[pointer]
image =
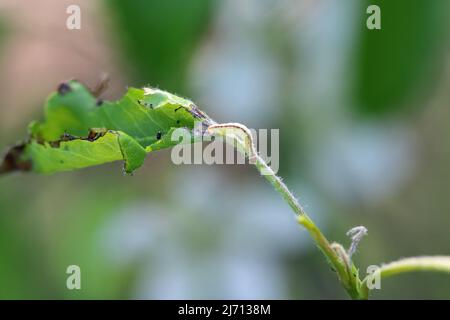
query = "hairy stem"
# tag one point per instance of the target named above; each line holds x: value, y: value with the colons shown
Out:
x: 337, y: 259
x: 336, y: 255
x: 279, y: 186
x: 425, y: 263
x: 413, y: 264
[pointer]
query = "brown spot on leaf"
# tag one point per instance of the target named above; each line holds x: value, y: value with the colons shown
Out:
x: 64, y: 88
x: 94, y: 135
x: 65, y: 137
x: 13, y: 162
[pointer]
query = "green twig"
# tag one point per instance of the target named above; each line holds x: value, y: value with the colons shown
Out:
x: 413, y: 264
x: 333, y: 252
x: 337, y: 257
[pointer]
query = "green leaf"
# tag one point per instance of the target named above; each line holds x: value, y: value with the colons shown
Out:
x: 159, y: 38
x: 397, y: 65
x: 81, y: 131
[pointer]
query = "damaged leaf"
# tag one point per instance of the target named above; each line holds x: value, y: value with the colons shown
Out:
x: 80, y: 132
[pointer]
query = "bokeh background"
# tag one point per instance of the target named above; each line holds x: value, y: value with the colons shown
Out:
x: 364, y: 119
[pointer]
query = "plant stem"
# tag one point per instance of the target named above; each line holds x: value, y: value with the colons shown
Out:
x: 424, y: 263
x: 278, y: 185
x: 338, y: 260
x: 337, y: 257
x: 334, y: 253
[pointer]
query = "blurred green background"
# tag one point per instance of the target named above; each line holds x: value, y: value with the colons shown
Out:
x: 364, y: 122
